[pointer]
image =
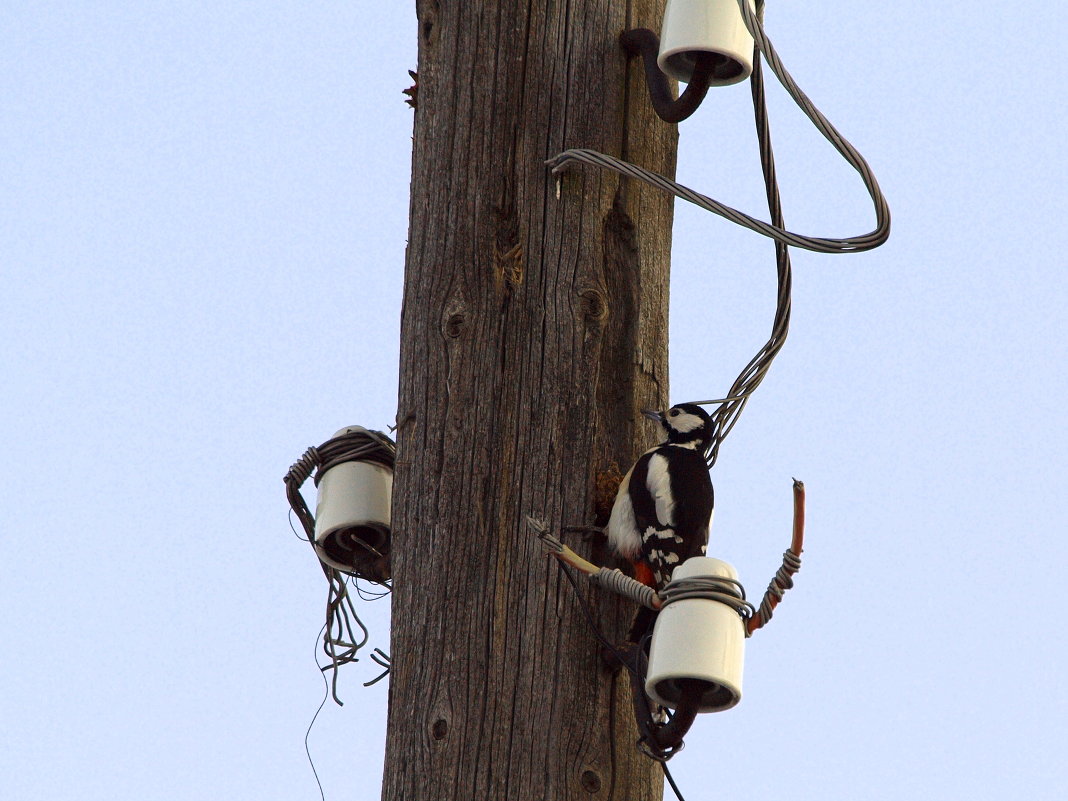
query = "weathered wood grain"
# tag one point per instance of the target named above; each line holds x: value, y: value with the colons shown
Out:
x: 533, y: 331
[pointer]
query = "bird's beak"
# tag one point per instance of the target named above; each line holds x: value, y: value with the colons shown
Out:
x: 653, y: 415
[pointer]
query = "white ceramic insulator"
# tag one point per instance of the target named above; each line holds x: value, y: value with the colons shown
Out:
x: 352, y: 495
x: 698, y: 638
x: 711, y: 26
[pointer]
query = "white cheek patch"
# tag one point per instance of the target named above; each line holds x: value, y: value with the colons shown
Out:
x: 659, y: 483
x: 685, y: 422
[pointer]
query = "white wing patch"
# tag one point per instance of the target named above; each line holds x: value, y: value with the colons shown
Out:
x: 662, y: 534
x: 623, y: 534
x: 662, y: 561
x: 659, y: 484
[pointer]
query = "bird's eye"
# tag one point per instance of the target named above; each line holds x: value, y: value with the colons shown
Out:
x: 674, y: 413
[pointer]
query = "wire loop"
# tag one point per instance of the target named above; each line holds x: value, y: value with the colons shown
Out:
x: 731, y: 407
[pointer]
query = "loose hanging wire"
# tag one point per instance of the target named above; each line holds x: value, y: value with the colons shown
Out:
x: 340, y: 641
x: 315, y: 717
x: 730, y: 408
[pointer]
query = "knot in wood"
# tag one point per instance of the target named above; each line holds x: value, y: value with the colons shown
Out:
x: 428, y: 23
x: 590, y: 781
x: 455, y: 324
x: 593, y: 304
x: 440, y: 729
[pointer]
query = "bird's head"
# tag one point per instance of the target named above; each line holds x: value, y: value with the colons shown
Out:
x: 685, y: 424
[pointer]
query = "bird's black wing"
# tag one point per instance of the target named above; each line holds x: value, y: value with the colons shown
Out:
x: 680, y: 493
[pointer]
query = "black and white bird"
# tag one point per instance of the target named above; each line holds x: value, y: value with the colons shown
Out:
x: 663, y: 508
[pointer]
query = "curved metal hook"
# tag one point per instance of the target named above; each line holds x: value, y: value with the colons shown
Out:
x: 643, y: 42
x: 659, y: 741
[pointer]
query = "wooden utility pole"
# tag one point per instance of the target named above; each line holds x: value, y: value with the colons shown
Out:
x: 534, y: 330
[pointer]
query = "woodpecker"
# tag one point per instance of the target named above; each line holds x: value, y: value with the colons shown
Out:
x: 663, y: 508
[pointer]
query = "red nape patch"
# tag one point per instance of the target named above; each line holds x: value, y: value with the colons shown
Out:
x: 644, y: 574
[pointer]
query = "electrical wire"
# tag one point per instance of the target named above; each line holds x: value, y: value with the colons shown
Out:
x: 762, y: 44
x: 380, y: 658
x: 593, y: 624
x: 315, y: 717
x: 626, y: 664
x: 791, y: 563
x: 726, y: 591
x: 294, y: 528
x: 340, y: 641
x: 671, y: 780
x: 752, y: 375
x: 723, y: 590
x: 369, y: 595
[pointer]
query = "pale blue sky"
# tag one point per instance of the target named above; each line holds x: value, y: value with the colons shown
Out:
x: 203, y: 211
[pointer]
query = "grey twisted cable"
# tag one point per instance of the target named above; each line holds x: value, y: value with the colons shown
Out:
x: 818, y: 244
x: 712, y: 588
x: 779, y: 584
x: 620, y: 583
x: 754, y: 372
x: 304, y: 466
x: 611, y: 579
x: 754, y: 22
x: 752, y: 375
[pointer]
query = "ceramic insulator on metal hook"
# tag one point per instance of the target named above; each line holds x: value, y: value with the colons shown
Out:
x: 698, y: 638
x: 706, y: 26
x: 352, y: 510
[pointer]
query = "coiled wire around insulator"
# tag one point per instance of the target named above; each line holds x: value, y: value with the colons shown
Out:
x: 729, y: 592
x: 344, y: 633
